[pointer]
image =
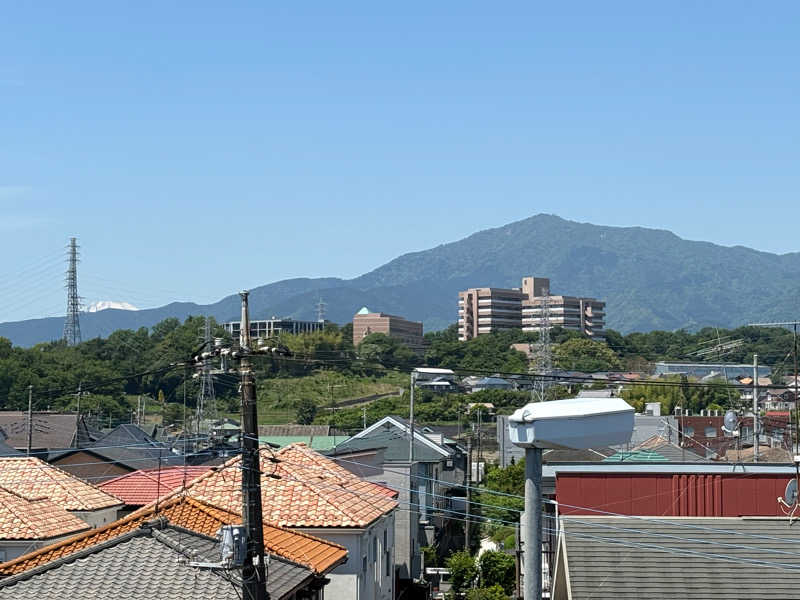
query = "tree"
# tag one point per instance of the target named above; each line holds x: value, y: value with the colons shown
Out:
x: 386, y: 350
x: 462, y: 570
x: 494, y: 592
x: 306, y: 411
x: 581, y: 354
x: 498, y: 568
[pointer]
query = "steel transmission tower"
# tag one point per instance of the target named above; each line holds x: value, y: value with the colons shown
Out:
x: 206, y: 397
x: 321, y: 310
x: 72, y: 325
x: 545, y: 350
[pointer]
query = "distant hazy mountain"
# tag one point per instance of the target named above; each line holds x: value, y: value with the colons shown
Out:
x: 650, y: 279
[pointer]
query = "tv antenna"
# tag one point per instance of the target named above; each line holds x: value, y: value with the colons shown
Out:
x: 789, y: 500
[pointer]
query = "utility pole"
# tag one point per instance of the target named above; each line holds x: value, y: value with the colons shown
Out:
x: 254, y: 582
x: 364, y: 416
x: 755, y: 408
x: 411, y: 466
x: 480, y: 441
x: 532, y: 578
x: 517, y: 555
x: 468, y: 476
x: 30, y: 419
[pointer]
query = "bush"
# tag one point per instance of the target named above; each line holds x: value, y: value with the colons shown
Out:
x: 494, y: 592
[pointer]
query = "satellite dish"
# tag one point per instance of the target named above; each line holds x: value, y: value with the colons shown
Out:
x: 790, y: 495
x: 731, y: 421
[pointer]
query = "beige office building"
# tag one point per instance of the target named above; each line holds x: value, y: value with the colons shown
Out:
x: 483, y: 310
x: 408, y: 332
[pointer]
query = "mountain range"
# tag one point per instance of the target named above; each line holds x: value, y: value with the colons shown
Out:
x: 649, y: 279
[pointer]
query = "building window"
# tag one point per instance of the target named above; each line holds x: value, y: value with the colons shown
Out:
x: 711, y: 432
x: 688, y: 431
x: 364, y: 563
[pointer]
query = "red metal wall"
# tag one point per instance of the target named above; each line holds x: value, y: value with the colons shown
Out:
x: 697, y: 495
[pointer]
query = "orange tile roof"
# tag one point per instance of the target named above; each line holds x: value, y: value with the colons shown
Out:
x: 312, y: 490
x: 319, y: 555
x: 145, y: 486
x: 32, y: 478
x: 38, y: 519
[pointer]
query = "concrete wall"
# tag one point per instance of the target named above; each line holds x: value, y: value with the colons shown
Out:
x: 368, y: 573
x: 98, y: 518
x: 11, y: 549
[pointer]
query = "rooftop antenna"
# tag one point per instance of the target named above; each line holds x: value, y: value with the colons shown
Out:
x: 72, y: 325
x: 730, y: 424
x: 789, y: 500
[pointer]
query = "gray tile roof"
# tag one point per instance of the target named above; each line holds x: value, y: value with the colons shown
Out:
x: 145, y: 564
x: 611, y: 558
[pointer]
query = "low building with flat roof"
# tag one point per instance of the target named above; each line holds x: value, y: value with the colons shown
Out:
x: 266, y: 328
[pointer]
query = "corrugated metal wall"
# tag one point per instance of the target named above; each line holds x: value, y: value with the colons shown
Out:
x: 725, y: 495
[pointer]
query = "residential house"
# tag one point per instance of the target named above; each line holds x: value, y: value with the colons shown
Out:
x: 49, y: 431
x: 321, y: 556
x: 26, y: 524
x: 429, y: 484
x: 142, y: 487
x: 612, y: 558
x: 123, y: 450
x: 155, y: 560
x: 305, y: 491
x: 490, y: 383
x: 32, y: 478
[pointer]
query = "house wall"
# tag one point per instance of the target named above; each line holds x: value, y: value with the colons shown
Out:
x: 665, y: 494
x: 89, y: 467
x: 97, y: 518
x: 11, y: 549
x: 368, y: 573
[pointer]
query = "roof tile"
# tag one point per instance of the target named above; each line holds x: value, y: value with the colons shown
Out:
x: 145, y: 486
x: 32, y: 478
x: 317, y: 554
x: 37, y: 519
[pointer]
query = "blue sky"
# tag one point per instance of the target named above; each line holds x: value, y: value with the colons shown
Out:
x: 198, y: 148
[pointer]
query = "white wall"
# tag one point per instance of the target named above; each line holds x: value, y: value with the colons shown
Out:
x: 98, y: 518
x: 351, y: 581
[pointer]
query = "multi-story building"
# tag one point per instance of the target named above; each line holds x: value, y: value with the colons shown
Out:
x: 530, y: 307
x: 408, y: 332
x: 272, y: 327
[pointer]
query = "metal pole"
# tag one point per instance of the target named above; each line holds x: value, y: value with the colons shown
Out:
x: 254, y: 584
x: 532, y: 576
x: 755, y: 408
x: 468, y: 476
x: 30, y: 418
x: 517, y: 554
x: 796, y: 403
x: 411, y: 419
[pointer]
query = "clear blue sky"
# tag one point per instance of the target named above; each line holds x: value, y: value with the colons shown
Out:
x: 196, y: 148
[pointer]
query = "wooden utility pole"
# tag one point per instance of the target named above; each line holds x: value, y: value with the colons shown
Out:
x: 254, y: 581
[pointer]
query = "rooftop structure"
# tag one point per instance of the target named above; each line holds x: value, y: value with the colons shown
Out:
x: 49, y: 431
x: 703, y: 369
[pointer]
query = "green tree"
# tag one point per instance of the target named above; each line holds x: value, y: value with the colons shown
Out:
x: 581, y: 354
x: 495, y: 592
x: 498, y: 568
x: 306, y: 411
x: 463, y: 570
